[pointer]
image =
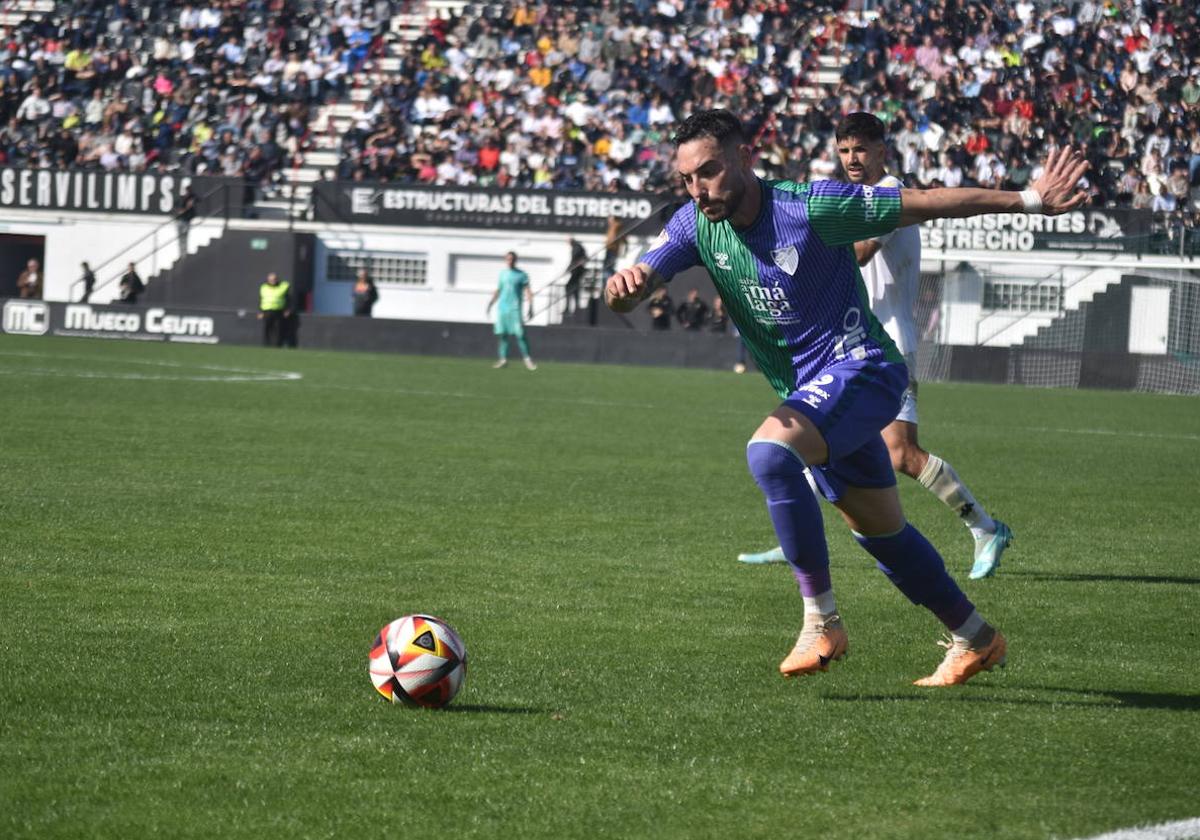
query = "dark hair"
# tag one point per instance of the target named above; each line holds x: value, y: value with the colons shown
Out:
x: 719, y: 124
x: 861, y: 125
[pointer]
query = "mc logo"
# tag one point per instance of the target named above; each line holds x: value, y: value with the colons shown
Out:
x: 26, y: 317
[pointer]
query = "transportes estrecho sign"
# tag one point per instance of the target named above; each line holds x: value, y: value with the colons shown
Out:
x: 1108, y: 229
x: 154, y: 323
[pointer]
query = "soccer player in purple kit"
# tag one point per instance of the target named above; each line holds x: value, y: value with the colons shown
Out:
x: 891, y: 266
x: 781, y: 255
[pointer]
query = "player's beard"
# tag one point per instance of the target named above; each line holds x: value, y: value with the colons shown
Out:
x: 723, y: 208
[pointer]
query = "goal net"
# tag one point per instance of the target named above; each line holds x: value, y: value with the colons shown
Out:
x: 1057, y: 326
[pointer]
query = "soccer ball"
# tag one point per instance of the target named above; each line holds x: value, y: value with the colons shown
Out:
x: 418, y: 660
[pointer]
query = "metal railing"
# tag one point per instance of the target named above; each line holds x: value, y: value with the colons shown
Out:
x: 553, y: 293
x: 156, y: 245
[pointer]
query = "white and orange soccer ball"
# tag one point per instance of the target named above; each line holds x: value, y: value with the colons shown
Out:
x: 418, y: 660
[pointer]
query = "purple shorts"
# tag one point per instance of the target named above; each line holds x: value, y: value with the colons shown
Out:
x: 850, y: 403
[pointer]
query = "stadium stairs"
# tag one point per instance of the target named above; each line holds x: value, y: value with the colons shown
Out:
x: 227, y: 270
x: 294, y: 196
x: 1007, y: 328
x: 335, y: 118
x: 1099, y: 324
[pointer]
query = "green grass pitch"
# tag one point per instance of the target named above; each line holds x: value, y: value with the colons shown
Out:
x: 194, y: 561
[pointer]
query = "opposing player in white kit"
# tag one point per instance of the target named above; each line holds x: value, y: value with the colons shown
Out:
x: 890, y: 267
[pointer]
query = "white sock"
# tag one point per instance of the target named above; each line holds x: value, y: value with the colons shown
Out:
x: 822, y: 604
x: 939, y: 478
x: 970, y: 628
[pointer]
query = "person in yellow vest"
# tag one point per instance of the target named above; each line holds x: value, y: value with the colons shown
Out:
x: 274, y: 309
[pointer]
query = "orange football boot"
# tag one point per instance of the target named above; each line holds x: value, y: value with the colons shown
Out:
x: 821, y: 641
x: 964, y: 661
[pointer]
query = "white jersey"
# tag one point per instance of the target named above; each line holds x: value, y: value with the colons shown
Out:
x: 892, y: 277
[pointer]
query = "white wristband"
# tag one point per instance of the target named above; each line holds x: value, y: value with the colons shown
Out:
x: 1032, y: 201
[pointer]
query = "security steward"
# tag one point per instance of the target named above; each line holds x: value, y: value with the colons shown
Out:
x: 274, y: 309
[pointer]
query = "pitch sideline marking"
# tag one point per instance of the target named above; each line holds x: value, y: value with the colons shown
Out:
x: 223, y: 374
x: 1179, y: 830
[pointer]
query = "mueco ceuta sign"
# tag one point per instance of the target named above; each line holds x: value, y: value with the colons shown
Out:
x: 35, y: 317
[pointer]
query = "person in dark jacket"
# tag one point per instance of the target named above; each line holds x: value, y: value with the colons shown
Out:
x: 364, y: 294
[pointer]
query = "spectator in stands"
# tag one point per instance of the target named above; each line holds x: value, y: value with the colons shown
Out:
x: 718, y: 318
x: 692, y: 313
x: 183, y: 221
x: 30, y: 281
x: 149, y: 90
x: 661, y: 309
x: 364, y: 294
x: 130, y: 286
x: 88, y: 277
x: 576, y: 267
x: 614, y: 245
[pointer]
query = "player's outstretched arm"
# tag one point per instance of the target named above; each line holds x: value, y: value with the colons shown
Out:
x: 1052, y: 194
x: 626, y: 288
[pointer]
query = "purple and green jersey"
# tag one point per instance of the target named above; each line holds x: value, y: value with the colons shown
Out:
x: 790, y: 281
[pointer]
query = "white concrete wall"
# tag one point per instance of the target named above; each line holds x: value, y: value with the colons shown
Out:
x: 69, y: 240
x: 462, y: 268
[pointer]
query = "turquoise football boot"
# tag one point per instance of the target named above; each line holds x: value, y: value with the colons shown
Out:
x: 988, y: 551
x: 775, y: 555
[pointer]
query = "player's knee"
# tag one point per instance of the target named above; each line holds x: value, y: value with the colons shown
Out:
x: 775, y: 466
x: 907, y: 458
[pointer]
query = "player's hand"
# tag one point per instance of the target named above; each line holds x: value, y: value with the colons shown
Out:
x: 625, y: 289
x: 1058, y: 185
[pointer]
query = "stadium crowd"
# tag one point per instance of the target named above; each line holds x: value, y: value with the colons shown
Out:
x: 583, y: 95
x: 219, y: 88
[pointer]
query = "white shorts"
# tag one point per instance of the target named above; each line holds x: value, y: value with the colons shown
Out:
x: 908, y: 402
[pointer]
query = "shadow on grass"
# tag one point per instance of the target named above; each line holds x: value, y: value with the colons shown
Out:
x: 1105, y: 699
x: 485, y: 709
x: 1136, y: 699
x: 1083, y: 577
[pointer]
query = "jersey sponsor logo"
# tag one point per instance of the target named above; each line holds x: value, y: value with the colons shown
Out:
x: 786, y: 258
x: 769, y: 305
x: 662, y: 239
x: 26, y: 317
x: 814, y: 393
x: 853, y: 336
x: 722, y: 260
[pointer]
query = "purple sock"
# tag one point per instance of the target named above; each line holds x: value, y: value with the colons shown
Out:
x: 917, y: 570
x: 794, y: 512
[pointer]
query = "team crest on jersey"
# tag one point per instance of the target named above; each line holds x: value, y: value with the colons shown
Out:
x: 786, y: 258
x: 722, y: 260
x: 663, y: 239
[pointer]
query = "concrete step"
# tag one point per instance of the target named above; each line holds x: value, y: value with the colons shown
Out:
x: 321, y: 160
x: 827, y: 60
x: 342, y: 109
x: 302, y: 175
x: 326, y: 142
x: 320, y: 126
x: 828, y: 77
